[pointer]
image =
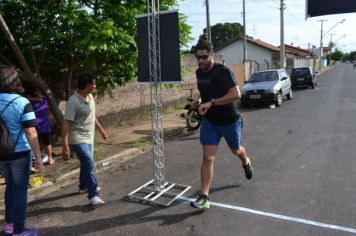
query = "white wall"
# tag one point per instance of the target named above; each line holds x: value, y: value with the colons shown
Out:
x: 233, y: 53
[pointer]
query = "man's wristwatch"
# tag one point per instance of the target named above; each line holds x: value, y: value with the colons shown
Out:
x: 213, y: 101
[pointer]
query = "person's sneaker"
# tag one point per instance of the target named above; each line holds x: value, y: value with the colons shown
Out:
x: 28, y: 232
x: 96, y: 201
x: 248, y: 170
x: 44, y: 158
x: 81, y: 191
x: 9, y: 228
x: 202, y: 202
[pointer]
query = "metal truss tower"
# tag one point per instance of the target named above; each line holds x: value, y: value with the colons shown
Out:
x: 158, y: 190
x: 156, y: 95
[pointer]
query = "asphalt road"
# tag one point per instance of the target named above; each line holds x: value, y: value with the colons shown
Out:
x: 304, y: 182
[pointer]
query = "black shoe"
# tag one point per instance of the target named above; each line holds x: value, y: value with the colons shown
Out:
x: 248, y: 170
x: 202, y: 202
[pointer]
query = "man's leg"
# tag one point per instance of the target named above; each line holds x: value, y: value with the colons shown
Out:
x: 82, y: 184
x: 206, y: 175
x: 84, y: 152
x: 207, y: 167
x: 232, y: 135
x: 209, y: 138
x: 241, y: 153
x: 246, y: 163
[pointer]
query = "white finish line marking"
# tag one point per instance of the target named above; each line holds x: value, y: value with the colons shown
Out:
x: 277, y: 216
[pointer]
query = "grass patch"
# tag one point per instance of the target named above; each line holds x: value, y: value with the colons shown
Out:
x: 169, y: 110
x: 98, y: 153
x: 140, y: 143
x: 180, y: 105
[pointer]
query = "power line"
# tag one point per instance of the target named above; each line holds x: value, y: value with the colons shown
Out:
x: 264, y: 3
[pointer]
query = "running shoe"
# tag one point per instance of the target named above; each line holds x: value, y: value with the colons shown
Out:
x: 202, y: 202
x: 248, y: 170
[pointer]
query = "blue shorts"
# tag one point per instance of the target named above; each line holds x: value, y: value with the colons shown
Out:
x: 211, y: 134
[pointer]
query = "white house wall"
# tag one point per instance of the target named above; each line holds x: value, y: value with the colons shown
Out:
x: 233, y: 53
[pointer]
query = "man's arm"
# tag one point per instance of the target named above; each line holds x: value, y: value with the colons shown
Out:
x: 232, y: 95
x: 65, y: 138
x: 101, y: 129
x: 32, y: 137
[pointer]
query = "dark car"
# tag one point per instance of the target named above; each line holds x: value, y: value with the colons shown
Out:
x: 303, y: 76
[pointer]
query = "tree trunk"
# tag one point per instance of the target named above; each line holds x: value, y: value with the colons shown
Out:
x: 35, y: 81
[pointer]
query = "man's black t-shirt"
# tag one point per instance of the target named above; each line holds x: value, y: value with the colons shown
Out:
x: 216, y: 83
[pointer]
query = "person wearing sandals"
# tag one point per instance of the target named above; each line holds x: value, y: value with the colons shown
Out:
x: 20, y: 120
x: 220, y: 116
x: 78, y: 130
x: 40, y: 106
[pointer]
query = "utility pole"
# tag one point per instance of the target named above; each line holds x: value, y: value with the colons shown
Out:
x: 282, y: 48
x: 330, y: 47
x: 208, y: 32
x: 321, y: 44
x: 244, y: 22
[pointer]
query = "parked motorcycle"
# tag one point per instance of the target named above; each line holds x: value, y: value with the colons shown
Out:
x: 193, y: 118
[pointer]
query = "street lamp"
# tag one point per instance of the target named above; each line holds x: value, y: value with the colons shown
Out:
x: 322, y: 35
x: 330, y: 47
x: 338, y: 39
x: 333, y: 44
x: 340, y: 22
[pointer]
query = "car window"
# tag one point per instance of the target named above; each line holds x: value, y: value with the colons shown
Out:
x: 264, y: 76
x: 300, y: 71
x: 284, y: 74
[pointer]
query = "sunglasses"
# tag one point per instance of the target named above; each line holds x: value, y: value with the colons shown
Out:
x: 203, y: 57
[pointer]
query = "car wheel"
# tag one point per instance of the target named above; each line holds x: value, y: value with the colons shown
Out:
x: 290, y: 94
x: 279, y: 100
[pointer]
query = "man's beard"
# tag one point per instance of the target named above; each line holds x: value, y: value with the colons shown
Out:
x: 205, y: 66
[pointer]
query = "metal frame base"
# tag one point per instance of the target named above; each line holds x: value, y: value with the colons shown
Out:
x: 165, y: 197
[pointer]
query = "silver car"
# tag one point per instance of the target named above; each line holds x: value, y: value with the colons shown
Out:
x: 267, y: 87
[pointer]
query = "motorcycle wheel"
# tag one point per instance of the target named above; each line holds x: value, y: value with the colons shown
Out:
x: 193, y: 122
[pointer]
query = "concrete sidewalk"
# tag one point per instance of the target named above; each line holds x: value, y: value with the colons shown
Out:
x: 125, y: 142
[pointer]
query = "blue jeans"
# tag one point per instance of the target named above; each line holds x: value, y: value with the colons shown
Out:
x: 17, y: 176
x: 87, y: 178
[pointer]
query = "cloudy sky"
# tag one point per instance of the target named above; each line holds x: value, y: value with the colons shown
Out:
x: 263, y: 22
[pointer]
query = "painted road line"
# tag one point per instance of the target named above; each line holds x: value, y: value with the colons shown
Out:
x: 278, y: 216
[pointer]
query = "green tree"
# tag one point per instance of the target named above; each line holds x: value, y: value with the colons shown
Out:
x: 222, y: 33
x: 353, y: 56
x: 60, y: 39
x: 337, y: 55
